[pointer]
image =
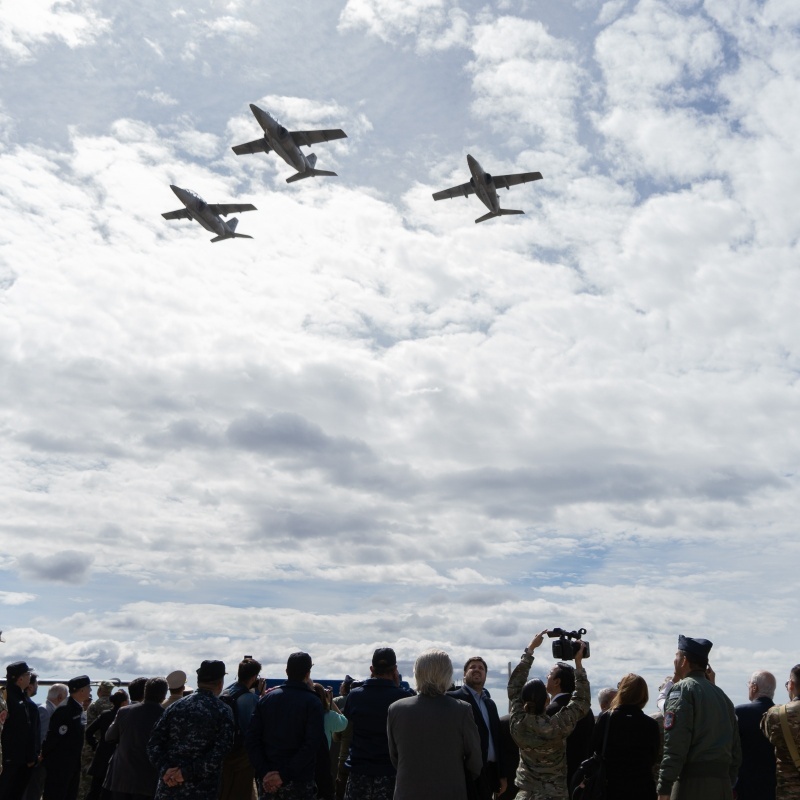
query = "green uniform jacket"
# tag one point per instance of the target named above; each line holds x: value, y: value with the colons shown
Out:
x: 787, y: 773
x: 541, y: 739
x: 701, y: 736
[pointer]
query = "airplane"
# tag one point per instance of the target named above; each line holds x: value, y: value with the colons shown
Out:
x: 208, y: 214
x: 485, y: 186
x: 287, y: 145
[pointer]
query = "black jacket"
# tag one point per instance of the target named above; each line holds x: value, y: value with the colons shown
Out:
x: 19, y: 737
x: 757, y: 773
x: 463, y: 693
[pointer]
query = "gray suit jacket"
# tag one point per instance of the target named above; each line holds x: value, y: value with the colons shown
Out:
x: 433, y: 741
x: 130, y: 769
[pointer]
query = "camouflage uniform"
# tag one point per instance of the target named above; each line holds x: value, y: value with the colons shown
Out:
x: 542, y: 771
x: 369, y: 787
x: 194, y: 735
x: 702, y: 748
x: 3, y: 709
x: 294, y: 790
x: 87, y: 754
x: 787, y: 773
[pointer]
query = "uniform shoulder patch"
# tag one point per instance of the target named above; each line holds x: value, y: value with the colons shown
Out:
x: 669, y: 720
x: 63, y: 729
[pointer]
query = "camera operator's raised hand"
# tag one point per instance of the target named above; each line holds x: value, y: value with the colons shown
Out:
x: 579, y: 653
x: 536, y: 641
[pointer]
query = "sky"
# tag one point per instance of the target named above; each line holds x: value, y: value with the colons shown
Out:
x: 378, y: 423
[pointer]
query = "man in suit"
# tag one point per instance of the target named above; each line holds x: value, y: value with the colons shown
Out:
x: 20, y: 744
x: 560, y: 686
x: 757, y: 773
x: 484, y: 711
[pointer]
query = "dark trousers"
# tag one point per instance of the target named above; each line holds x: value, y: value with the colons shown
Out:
x: 13, y: 780
x: 486, y: 784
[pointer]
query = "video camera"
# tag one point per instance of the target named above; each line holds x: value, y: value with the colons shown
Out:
x: 566, y: 646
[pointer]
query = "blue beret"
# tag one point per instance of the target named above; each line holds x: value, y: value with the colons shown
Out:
x: 699, y: 648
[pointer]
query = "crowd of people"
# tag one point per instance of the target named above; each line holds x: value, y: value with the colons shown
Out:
x: 382, y: 740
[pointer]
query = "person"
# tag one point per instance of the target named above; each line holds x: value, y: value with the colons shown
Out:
x: 56, y: 695
x: 604, y: 698
x: 781, y: 725
x: 131, y: 775
x: 136, y: 690
x: 98, y: 707
x: 371, y: 772
x: 100, y: 747
x: 702, y: 751
x: 541, y: 738
x: 334, y: 722
x: 757, y: 774
x: 510, y: 759
x: 285, y: 734
x: 191, y: 738
x: 238, y: 778
x: 633, y: 742
x: 19, y: 741
x: 176, y: 681
x: 61, y: 750
x: 484, y: 711
x: 340, y: 742
x: 560, y: 686
x: 432, y: 737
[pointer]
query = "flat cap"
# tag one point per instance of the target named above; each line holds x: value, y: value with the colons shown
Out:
x: 699, y: 648
x: 176, y: 679
x: 211, y: 671
x: 13, y: 671
x: 74, y: 684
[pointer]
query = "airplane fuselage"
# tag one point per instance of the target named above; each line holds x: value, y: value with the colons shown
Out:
x: 199, y: 212
x: 484, y: 189
x: 280, y: 140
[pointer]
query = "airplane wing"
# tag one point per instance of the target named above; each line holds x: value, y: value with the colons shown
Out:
x: 257, y: 146
x: 315, y: 137
x: 507, y: 181
x: 181, y: 213
x: 223, y: 209
x: 464, y: 190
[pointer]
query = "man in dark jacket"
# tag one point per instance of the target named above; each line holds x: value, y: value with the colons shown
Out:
x: 19, y: 743
x: 484, y: 711
x: 757, y: 773
x: 285, y: 733
x: 372, y: 775
x: 131, y: 774
x: 61, y: 750
x: 560, y: 686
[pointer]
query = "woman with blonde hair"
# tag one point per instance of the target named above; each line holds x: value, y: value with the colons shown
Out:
x: 633, y: 741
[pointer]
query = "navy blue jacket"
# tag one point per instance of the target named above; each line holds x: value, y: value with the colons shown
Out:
x: 367, y: 708
x: 20, y: 745
x: 285, y: 733
x: 463, y: 693
x: 757, y: 773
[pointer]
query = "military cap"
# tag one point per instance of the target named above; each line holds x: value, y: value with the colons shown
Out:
x: 108, y: 686
x: 211, y: 671
x: 299, y: 662
x: 78, y: 683
x: 176, y: 679
x: 383, y: 659
x: 13, y: 671
x: 699, y: 648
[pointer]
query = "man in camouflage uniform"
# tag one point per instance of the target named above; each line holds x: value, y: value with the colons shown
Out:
x: 190, y: 741
x: 542, y: 770
x: 787, y: 768
x: 92, y: 713
x: 702, y: 748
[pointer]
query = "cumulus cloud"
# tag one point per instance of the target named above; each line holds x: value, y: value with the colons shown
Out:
x: 63, y: 566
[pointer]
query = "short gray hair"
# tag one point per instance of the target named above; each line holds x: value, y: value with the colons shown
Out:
x: 58, y: 691
x: 605, y: 696
x: 764, y: 682
x: 433, y: 672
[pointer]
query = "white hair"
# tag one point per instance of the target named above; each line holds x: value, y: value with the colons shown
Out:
x: 605, y: 696
x: 764, y: 682
x: 57, y: 693
x: 433, y: 672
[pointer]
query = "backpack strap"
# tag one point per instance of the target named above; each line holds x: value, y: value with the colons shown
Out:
x: 787, y: 735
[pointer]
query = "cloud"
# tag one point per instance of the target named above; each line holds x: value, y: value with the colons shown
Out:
x: 63, y: 566
x: 16, y: 598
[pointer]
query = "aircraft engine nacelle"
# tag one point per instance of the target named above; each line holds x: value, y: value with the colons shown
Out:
x: 472, y: 182
x: 282, y: 132
x: 487, y: 177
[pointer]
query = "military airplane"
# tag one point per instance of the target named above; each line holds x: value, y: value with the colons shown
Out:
x: 208, y: 214
x: 485, y: 186
x: 287, y: 145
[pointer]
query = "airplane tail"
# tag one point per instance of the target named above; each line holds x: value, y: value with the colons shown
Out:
x: 309, y: 173
x: 500, y: 213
